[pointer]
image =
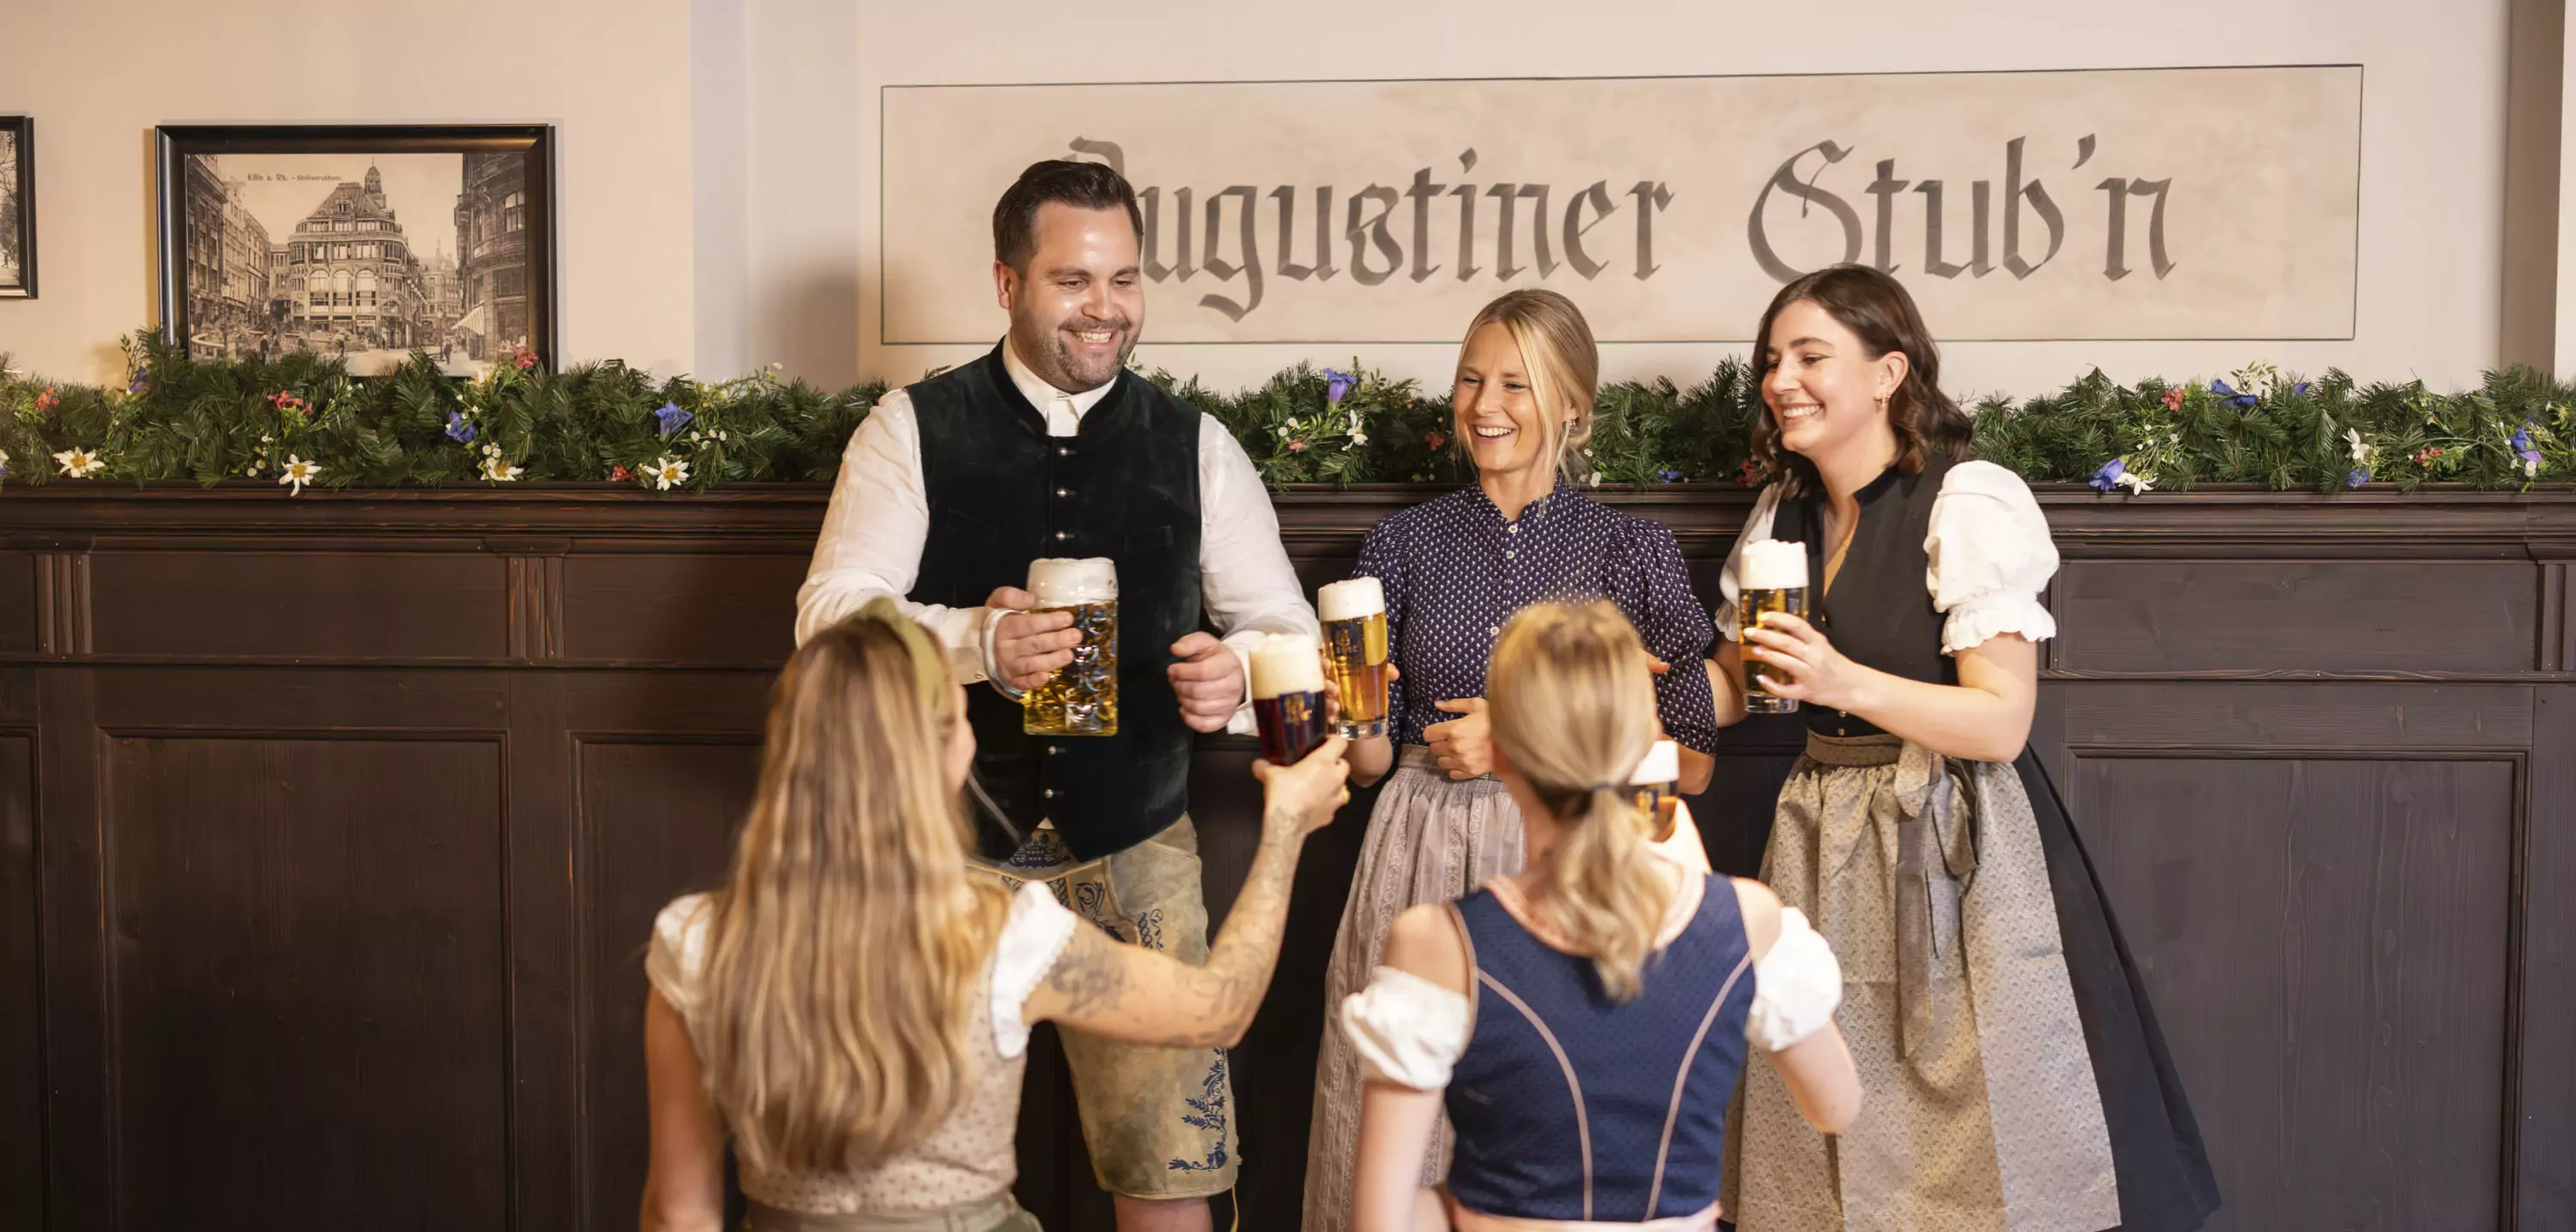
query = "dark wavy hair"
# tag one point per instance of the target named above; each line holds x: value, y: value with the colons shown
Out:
x: 1086, y: 186
x: 1877, y: 310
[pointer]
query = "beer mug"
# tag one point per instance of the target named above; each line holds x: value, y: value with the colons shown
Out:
x: 1081, y: 699
x: 1354, y: 616
x: 1771, y: 577
x: 1656, y: 786
x: 1288, y: 696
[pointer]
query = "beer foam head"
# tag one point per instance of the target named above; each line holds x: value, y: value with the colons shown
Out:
x: 1772, y: 564
x: 1287, y: 663
x: 1351, y: 599
x: 1057, y: 581
x: 1663, y: 764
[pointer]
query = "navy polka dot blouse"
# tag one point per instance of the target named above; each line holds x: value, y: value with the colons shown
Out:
x: 1455, y: 570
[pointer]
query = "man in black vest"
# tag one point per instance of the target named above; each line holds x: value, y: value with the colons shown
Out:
x: 1049, y: 447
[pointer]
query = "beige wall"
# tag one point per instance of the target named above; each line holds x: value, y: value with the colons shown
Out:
x: 717, y: 156
x: 97, y: 75
x: 2432, y: 161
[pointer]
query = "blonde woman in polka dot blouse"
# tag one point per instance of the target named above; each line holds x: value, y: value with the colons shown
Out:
x: 1454, y: 570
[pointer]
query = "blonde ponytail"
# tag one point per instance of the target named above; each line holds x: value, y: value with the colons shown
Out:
x: 1573, y: 707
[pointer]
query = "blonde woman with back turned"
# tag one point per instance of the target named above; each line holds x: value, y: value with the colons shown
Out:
x: 1585, y: 1020
x: 851, y: 1006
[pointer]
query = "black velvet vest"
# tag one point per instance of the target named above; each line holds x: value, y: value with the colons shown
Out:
x: 1003, y: 493
x: 1878, y: 611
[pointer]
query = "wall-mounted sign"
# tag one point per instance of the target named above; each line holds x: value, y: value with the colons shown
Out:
x: 2190, y: 203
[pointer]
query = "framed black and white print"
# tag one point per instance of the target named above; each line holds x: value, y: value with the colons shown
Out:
x: 17, y: 207
x: 365, y: 242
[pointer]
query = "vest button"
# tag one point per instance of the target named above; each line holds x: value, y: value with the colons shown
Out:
x: 1061, y: 493
x: 1054, y: 749
x: 1061, y: 536
x: 1049, y: 793
x: 1064, y: 451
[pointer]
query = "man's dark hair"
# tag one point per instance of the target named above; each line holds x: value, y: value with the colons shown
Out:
x: 1088, y: 186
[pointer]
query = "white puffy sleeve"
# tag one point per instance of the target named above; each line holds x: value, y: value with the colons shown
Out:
x: 1033, y: 937
x: 1406, y: 1029
x: 1796, y: 987
x: 676, y: 959
x: 1990, y: 557
x: 1757, y: 526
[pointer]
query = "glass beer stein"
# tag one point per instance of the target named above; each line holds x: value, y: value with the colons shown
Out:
x: 1770, y: 577
x: 1288, y: 696
x: 1081, y: 699
x: 1354, y: 616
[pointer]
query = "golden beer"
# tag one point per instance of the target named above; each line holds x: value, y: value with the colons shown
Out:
x: 1081, y: 699
x: 1656, y: 787
x: 1773, y: 578
x: 1355, y: 654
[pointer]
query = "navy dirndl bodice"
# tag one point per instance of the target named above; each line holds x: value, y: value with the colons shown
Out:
x: 1568, y: 1105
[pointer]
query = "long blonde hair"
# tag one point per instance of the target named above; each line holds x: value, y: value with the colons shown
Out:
x: 1564, y: 363
x: 1573, y: 706
x: 848, y: 942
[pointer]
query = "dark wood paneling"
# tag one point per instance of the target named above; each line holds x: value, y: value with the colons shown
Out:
x: 657, y: 822
x: 22, y: 1004
x: 2325, y: 939
x: 2544, y: 1069
x: 697, y: 608
x: 2274, y: 616
x: 309, y: 1010
x: 2210, y: 588
x: 337, y: 605
x: 17, y: 603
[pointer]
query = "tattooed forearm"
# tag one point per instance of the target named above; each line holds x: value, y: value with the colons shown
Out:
x: 1247, y: 948
x: 1109, y: 987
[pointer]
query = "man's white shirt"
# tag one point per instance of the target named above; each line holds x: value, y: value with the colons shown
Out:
x: 880, y: 518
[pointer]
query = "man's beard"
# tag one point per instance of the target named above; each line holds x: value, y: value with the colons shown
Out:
x: 1068, y: 364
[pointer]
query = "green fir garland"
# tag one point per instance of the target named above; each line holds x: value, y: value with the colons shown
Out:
x: 301, y: 420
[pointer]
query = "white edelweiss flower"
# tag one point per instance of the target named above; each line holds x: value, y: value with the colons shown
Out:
x: 2361, y: 449
x: 2530, y: 469
x: 299, y: 473
x: 1358, y: 437
x: 79, y: 463
x: 499, y: 471
x: 2135, y: 482
x: 667, y: 473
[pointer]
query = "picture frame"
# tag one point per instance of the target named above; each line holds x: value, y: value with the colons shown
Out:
x: 17, y: 207
x: 367, y: 242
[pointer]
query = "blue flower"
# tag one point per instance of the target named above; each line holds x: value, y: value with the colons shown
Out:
x: 2358, y: 477
x: 673, y: 418
x: 458, y: 430
x: 2300, y: 389
x: 1337, y: 384
x: 2108, y: 477
x: 2237, y: 396
x: 2521, y: 438
x: 1669, y: 475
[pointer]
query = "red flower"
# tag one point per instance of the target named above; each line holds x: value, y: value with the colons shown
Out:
x: 621, y: 474
x: 47, y: 400
x: 2427, y: 454
x: 289, y: 402
x: 1297, y: 444
x: 2173, y: 399
x: 1434, y: 439
x: 523, y: 358
x: 1751, y: 474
